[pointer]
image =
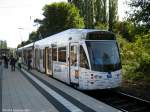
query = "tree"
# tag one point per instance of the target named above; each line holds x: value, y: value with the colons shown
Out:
x: 33, y: 36
x: 112, y: 13
x: 96, y: 12
x: 141, y: 13
x: 101, y: 11
x: 125, y: 28
x: 3, y: 44
x: 89, y: 13
x: 80, y: 5
x: 59, y: 17
x: 88, y: 10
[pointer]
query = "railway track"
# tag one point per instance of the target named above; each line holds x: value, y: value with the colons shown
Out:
x: 121, y: 101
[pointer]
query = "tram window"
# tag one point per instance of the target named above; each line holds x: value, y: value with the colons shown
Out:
x: 40, y: 53
x: 30, y: 53
x: 54, y: 54
x: 83, y: 58
x: 43, y: 58
x: 49, y: 58
x: 73, y: 55
x: 62, y: 54
x: 101, y: 36
x: 36, y: 56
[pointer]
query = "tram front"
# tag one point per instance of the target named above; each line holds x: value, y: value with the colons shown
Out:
x: 104, y: 61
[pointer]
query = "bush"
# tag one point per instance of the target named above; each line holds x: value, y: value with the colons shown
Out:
x: 101, y: 26
x: 143, y: 43
x: 126, y: 29
x: 135, y: 58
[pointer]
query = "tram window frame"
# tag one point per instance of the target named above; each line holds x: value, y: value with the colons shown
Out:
x: 54, y: 50
x: 86, y: 63
x: 73, y: 54
x: 60, y: 54
x: 36, y: 56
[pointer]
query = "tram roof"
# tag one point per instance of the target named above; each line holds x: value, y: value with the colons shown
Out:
x: 26, y: 46
x: 65, y: 35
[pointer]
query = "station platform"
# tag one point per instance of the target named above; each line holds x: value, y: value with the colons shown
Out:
x: 31, y: 91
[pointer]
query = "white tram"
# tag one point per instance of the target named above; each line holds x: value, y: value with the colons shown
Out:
x: 85, y: 58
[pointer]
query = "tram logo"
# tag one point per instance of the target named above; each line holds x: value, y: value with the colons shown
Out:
x: 109, y: 75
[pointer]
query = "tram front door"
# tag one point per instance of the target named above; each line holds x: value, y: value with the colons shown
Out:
x: 48, y: 61
x: 74, y: 63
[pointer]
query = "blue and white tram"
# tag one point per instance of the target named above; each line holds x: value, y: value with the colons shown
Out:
x: 85, y: 58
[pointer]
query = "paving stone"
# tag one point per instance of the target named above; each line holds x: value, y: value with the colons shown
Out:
x: 18, y: 94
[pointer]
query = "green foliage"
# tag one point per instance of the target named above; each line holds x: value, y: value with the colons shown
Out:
x: 96, y: 12
x: 23, y: 43
x: 59, y: 17
x: 141, y: 30
x: 101, y: 15
x: 3, y: 44
x: 80, y: 5
x: 129, y: 62
x: 112, y: 13
x: 33, y: 36
x: 101, y: 26
x: 141, y: 12
x: 126, y: 29
x: 135, y: 58
x: 89, y: 13
x: 143, y: 43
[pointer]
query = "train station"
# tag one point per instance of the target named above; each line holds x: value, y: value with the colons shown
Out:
x: 74, y: 56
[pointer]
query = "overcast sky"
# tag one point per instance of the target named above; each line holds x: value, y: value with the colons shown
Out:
x: 16, y: 18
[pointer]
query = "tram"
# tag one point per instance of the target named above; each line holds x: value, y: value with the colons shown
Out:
x: 88, y: 59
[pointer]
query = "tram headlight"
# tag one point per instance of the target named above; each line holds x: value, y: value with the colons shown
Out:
x: 92, y: 76
x: 95, y: 76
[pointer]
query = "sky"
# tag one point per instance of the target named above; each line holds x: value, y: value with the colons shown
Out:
x: 17, y: 16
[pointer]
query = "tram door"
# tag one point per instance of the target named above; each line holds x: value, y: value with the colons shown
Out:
x: 48, y: 61
x: 74, y: 63
x: 36, y: 58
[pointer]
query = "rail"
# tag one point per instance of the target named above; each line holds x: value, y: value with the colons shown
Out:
x: 121, y: 101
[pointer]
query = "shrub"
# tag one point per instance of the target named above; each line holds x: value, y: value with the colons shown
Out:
x: 135, y: 58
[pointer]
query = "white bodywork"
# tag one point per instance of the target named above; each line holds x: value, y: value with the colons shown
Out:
x: 27, y: 48
x: 86, y: 78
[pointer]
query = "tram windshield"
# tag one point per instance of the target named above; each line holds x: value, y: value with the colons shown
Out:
x: 104, y: 55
